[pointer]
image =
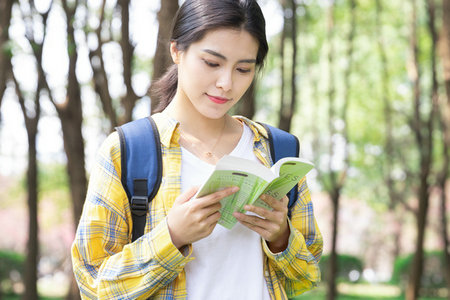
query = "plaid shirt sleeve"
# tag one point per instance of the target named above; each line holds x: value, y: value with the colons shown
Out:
x: 297, y: 268
x: 105, y: 263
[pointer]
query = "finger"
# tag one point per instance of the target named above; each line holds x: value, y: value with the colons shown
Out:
x: 267, y: 230
x: 280, y: 205
x: 262, y: 231
x: 214, y: 198
x: 253, y: 220
x: 260, y: 211
x: 213, y: 218
x: 186, y: 196
x: 211, y: 209
x: 206, y: 225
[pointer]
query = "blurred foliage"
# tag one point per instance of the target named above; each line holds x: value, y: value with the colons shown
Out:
x: 433, y: 276
x: 53, y: 187
x: 321, y: 295
x: 349, y: 268
x: 11, y: 269
x: 53, y: 177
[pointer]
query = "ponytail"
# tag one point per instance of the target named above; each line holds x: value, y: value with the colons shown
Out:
x: 163, y: 90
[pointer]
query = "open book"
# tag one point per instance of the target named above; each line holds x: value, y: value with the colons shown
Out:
x: 253, y: 179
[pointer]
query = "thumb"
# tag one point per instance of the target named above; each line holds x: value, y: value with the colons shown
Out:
x: 186, y: 196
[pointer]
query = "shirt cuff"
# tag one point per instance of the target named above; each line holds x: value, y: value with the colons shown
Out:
x: 168, y: 256
x: 295, y: 244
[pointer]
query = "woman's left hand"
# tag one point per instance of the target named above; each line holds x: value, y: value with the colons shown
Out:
x: 271, y: 225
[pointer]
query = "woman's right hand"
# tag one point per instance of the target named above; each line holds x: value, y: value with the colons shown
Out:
x: 190, y: 221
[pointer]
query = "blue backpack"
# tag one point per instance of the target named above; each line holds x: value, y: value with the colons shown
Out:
x: 141, y: 161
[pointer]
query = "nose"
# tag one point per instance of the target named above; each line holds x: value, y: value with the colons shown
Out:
x: 225, y: 81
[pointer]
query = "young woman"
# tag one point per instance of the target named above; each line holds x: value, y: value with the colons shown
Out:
x: 217, y: 47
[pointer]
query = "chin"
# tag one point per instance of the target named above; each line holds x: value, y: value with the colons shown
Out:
x: 214, y: 114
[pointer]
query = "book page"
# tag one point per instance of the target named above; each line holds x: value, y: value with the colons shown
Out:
x: 233, y: 163
x: 250, y: 188
x: 291, y: 171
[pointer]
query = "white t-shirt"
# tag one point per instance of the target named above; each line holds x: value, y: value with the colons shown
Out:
x: 228, y: 264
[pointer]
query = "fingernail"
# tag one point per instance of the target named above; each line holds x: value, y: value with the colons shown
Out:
x: 235, y: 189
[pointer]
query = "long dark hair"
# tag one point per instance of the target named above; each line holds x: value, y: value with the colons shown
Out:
x: 194, y: 19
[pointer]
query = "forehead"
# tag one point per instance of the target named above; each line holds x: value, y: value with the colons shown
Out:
x: 232, y: 43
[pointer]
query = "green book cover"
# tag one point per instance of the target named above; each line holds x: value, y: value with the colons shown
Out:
x: 253, y: 180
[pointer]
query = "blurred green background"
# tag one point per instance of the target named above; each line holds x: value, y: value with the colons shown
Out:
x: 364, y: 84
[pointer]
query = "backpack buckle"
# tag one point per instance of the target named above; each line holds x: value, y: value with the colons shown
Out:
x: 139, y: 205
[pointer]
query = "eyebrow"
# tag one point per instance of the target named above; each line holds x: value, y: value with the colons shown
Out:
x: 212, y: 52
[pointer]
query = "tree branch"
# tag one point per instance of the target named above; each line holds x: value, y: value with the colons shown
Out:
x: 100, y: 77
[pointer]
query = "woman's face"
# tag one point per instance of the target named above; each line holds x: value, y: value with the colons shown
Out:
x: 215, y: 72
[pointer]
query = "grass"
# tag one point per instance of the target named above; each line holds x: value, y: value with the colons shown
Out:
x: 363, y: 291
x: 19, y: 297
x: 360, y: 291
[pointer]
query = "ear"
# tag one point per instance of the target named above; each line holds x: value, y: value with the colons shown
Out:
x: 175, y: 53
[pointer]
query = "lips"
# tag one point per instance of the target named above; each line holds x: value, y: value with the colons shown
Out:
x: 218, y: 100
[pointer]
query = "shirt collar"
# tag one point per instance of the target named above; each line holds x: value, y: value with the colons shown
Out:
x: 257, y: 129
x: 168, y: 129
x: 170, y: 135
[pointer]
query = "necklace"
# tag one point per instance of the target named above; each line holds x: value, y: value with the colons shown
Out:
x: 209, y: 154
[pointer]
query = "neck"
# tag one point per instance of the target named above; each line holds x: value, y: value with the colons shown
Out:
x: 209, y: 139
x: 194, y: 123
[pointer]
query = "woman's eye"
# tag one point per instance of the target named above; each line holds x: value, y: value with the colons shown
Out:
x: 210, y: 64
x: 243, y: 70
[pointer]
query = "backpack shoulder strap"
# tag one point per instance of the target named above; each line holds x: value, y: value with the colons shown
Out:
x: 283, y: 144
x: 141, y: 161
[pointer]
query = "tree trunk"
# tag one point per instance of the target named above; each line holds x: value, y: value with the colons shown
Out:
x: 33, y: 241
x: 5, y: 58
x: 332, y: 190
x: 287, y: 108
x: 412, y: 289
x: 71, y: 116
x: 434, y: 95
x: 31, y: 115
x: 100, y: 77
x: 283, y: 40
x: 74, y: 148
x: 333, y: 265
x: 32, y: 251
x: 423, y: 128
x: 445, y: 47
x: 445, y: 125
x: 162, y: 59
x: 71, y: 124
x: 129, y: 100
x: 443, y: 207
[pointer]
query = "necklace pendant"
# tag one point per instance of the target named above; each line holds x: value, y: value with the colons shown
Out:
x: 209, y: 154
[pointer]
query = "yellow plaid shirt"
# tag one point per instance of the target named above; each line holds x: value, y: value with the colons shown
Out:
x: 108, y: 266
